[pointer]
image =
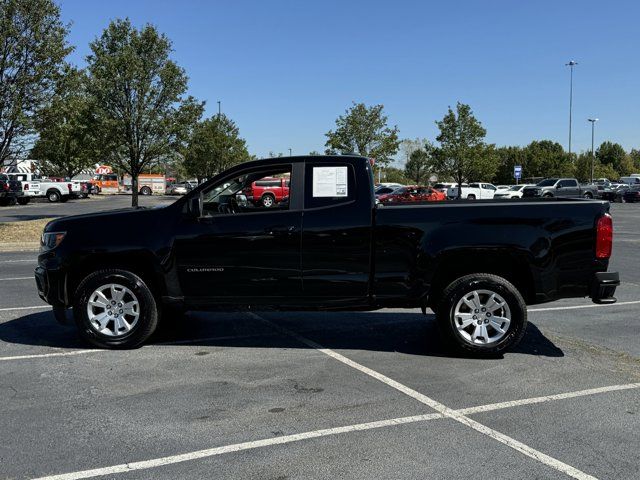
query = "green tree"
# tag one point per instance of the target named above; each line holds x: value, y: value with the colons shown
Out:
x: 545, y: 158
x: 634, y: 156
x: 463, y: 155
x: 215, y: 146
x: 420, y: 164
x: 138, y: 91
x: 393, y: 175
x: 612, y: 154
x: 507, y: 158
x: 32, y: 49
x: 66, y: 142
x: 364, y: 130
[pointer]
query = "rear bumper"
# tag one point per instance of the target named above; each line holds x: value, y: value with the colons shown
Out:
x: 604, y: 287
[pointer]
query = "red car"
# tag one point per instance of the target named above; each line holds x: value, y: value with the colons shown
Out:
x: 411, y: 194
x: 268, y: 192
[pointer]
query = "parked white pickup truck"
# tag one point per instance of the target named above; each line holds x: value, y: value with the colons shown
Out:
x: 35, y: 186
x: 474, y: 191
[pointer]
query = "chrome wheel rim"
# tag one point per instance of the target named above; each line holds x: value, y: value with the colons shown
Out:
x: 267, y: 201
x: 113, y: 310
x: 482, y: 317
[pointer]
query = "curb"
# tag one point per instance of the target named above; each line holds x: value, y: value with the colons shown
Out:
x: 19, y: 247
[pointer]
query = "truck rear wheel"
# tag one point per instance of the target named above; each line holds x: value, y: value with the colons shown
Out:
x: 268, y: 200
x: 482, y: 314
x: 53, y: 196
x: 115, y: 309
x: 587, y: 195
x: 145, y: 191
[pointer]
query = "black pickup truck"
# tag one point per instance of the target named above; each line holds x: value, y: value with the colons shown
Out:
x: 327, y: 245
x: 10, y: 191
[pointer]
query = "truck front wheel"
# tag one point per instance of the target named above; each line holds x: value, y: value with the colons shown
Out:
x: 145, y: 191
x: 115, y: 309
x: 482, y: 314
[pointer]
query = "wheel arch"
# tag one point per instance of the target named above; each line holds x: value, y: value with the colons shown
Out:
x: 508, y: 265
x: 141, y: 264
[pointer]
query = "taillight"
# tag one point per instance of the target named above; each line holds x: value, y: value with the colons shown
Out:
x: 604, y: 236
x: 5, y: 186
x: 26, y: 186
x: 69, y: 186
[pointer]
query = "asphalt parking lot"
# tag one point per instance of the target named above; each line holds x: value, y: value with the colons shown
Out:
x: 270, y: 395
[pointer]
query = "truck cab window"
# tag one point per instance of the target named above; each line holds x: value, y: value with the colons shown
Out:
x: 264, y: 190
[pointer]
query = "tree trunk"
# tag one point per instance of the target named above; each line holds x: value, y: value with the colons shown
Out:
x: 459, y: 187
x: 134, y: 190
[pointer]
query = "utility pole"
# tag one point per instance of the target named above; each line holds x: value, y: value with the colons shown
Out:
x: 593, y: 156
x: 571, y: 64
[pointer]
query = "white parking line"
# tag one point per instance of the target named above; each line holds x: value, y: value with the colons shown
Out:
x: 576, y: 307
x: 547, y: 398
x: 16, y: 278
x: 47, y: 355
x: 33, y: 260
x: 211, y: 452
x: 35, y: 307
x: 441, y: 408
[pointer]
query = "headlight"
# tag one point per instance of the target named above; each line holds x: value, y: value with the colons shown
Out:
x: 51, y: 240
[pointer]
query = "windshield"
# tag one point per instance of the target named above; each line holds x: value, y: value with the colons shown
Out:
x: 549, y: 182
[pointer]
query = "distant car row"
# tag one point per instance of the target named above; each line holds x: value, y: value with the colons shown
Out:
x: 629, y: 191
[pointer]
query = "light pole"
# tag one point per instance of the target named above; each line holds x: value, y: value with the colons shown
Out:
x: 290, y: 152
x: 593, y: 128
x: 219, y: 108
x: 571, y: 64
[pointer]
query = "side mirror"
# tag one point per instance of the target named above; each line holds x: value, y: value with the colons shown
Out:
x: 195, y: 206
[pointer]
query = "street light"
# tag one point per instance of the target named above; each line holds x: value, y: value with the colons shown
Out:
x: 593, y: 127
x: 571, y: 64
x: 219, y: 108
x: 290, y: 152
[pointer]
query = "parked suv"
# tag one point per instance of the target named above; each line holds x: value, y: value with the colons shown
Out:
x: 10, y: 190
x: 268, y: 192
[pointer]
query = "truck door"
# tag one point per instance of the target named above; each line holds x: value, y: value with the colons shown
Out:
x: 240, y: 249
x: 568, y: 188
x: 336, y: 231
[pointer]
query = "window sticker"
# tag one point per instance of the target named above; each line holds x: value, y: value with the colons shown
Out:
x: 330, y: 182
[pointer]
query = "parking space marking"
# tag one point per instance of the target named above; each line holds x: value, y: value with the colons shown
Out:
x: 32, y: 260
x: 547, y: 398
x: 211, y: 452
x: 38, y: 307
x: 47, y: 355
x: 16, y: 278
x: 440, y: 407
x: 576, y: 307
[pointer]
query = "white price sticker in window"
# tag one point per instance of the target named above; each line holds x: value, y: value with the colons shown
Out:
x: 330, y: 182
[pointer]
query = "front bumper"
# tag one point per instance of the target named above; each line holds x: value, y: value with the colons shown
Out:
x: 51, y: 286
x: 604, y: 287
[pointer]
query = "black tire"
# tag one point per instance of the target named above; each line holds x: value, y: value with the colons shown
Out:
x: 145, y: 191
x: 587, y: 195
x: 471, y: 197
x: 268, y: 200
x: 548, y: 195
x: 24, y: 200
x: 462, y: 287
x: 4, y: 202
x: 141, y: 331
x: 53, y: 196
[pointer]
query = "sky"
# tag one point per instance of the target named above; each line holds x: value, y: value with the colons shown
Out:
x: 285, y: 70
